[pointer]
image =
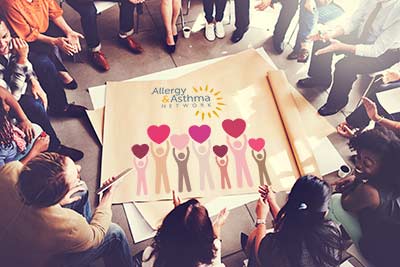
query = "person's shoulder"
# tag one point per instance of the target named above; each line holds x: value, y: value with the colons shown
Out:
x: 369, y: 193
x: 11, y: 171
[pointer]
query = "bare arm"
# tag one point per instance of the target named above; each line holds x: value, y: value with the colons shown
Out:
x: 41, y: 145
x: 363, y: 196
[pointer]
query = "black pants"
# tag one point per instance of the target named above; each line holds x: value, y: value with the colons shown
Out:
x: 209, y: 9
x: 289, y: 8
x: 346, y: 69
x: 88, y: 14
x: 242, y: 15
x: 359, y: 117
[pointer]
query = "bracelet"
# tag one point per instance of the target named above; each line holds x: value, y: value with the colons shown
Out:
x: 380, y: 119
x: 260, y: 221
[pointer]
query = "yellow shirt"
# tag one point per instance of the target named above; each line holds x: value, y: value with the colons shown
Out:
x: 28, y: 20
x: 38, y: 237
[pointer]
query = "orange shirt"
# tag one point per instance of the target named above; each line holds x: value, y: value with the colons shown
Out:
x: 28, y: 20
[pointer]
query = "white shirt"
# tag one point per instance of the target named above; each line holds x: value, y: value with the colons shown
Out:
x: 385, y: 30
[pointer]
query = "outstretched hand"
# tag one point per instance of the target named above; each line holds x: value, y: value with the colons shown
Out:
x: 335, y: 45
x: 370, y: 108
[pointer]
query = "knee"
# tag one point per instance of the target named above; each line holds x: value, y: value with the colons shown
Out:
x: 345, y: 66
x: 116, y: 232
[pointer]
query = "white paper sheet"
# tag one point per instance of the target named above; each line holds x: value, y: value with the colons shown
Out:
x: 390, y: 100
x: 140, y: 229
x: 327, y: 157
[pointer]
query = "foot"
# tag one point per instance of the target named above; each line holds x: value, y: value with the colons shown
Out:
x: 99, y: 60
x: 73, y: 153
x: 219, y: 30
x: 67, y: 80
x: 131, y: 44
x: 209, y: 31
x: 311, y: 83
x: 303, y: 55
x: 176, y: 38
x: 170, y: 48
x: 292, y: 56
x: 278, y: 45
x: 327, y: 109
x: 238, y: 35
x: 71, y: 110
x: 344, y: 129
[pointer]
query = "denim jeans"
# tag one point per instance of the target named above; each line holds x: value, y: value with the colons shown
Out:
x: 88, y: 14
x: 308, y: 20
x: 114, y: 249
x: 209, y: 9
x: 36, y: 113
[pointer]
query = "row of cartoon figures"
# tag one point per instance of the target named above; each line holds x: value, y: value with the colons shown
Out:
x: 201, y: 146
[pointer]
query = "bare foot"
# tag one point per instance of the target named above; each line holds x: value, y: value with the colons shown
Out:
x: 65, y: 77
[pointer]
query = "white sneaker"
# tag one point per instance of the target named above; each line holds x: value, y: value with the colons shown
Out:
x: 209, y: 32
x: 219, y: 30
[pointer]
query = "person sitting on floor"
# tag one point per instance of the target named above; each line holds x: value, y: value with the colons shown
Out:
x: 17, y: 75
x: 187, y: 237
x: 88, y: 13
x: 371, y: 108
x: 14, y: 143
x: 42, y: 25
x: 45, y: 223
x: 369, y: 204
x: 370, y: 42
x: 303, y: 236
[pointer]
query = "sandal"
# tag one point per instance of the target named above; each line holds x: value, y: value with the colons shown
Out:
x: 344, y: 130
x: 303, y: 55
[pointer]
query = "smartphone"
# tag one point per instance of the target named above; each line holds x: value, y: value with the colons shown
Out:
x: 117, y: 178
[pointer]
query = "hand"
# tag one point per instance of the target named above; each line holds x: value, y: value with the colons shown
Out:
x: 107, y: 194
x: 263, y: 5
x: 26, y: 127
x: 136, y: 1
x: 391, y: 76
x: 267, y: 194
x: 335, y: 45
x: 68, y: 199
x: 321, y: 36
x: 344, y: 130
x: 262, y: 209
x: 310, y: 6
x: 221, y: 217
x: 38, y: 92
x: 344, y: 183
x: 41, y: 144
x: 21, y: 48
x: 73, y: 39
x: 64, y: 44
x: 370, y: 108
x: 175, y: 199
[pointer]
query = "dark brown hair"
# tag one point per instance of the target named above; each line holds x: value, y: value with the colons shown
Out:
x: 42, y: 180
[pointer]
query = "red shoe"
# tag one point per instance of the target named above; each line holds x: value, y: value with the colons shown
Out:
x: 131, y: 44
x: 99, y: 60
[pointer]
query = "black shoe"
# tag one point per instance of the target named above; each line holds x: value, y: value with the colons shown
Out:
x: 73, y: 153
x: 278, y: 45
x: 72, y: 85
x: 311, y: 83
x: 327, y: 110
x: 237, y: 35
x: 71, y: 110
x: 243, y: 240
x: 176, y: 38
x: 170, y: 48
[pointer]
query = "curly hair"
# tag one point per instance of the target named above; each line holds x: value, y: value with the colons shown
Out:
x: 185, y: 238
x: 42, y: 180
x: 6, y: 128
x: 385, y: 144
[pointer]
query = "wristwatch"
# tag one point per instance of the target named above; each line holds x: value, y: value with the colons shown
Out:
x: 260, y: 221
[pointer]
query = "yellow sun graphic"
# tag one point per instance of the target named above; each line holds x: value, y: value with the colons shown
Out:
x: 216, y: 97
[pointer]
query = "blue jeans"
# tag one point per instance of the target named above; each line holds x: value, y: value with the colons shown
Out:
x: 308, y: 20
x: 114, y: 249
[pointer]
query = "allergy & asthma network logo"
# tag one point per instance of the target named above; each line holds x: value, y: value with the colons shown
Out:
x: 205, y: 102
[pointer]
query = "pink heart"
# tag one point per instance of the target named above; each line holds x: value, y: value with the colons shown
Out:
x: 140, y: 150
x: 158, y: 134
x: 179, y: 141
x: 257, y: 144
x: 234, y: 128
x: 200, y: 133
x: 220, y: 151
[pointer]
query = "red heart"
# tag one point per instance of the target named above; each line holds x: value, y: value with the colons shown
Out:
x: 257, y: 144
x: 158, y: 134
x: 234, y: 128
x: 200, y: 133
x: 140, y: 150
x: 220, y: 151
